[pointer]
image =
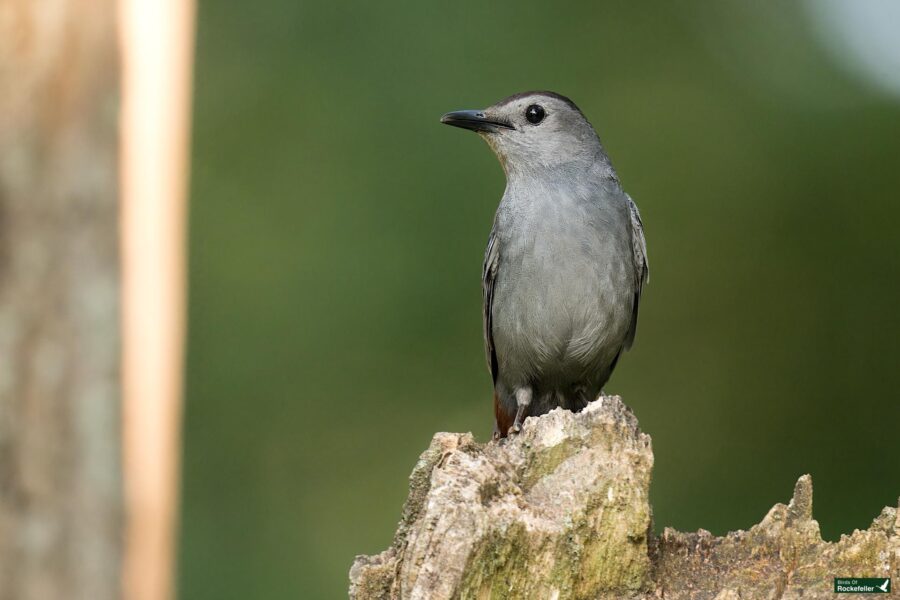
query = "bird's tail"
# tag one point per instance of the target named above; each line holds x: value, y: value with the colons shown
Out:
x: 502, y: 419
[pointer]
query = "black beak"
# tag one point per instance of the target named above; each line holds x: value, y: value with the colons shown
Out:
x: 474, y: 120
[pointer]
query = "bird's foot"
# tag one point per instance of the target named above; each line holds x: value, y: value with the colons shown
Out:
x: 523, y: 400
x: 517, y: 423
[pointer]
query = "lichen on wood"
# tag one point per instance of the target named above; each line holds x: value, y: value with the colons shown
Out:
x: 562, y: 510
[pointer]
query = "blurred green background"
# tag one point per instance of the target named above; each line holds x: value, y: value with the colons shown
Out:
x: 337, y: 232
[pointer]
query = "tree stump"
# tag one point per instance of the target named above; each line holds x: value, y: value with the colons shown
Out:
x: 562, y: 511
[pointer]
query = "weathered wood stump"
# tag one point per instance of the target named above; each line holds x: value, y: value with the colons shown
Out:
x: 563, y: 511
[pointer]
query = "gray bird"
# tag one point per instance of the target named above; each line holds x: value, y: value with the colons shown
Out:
x: 565, y: 262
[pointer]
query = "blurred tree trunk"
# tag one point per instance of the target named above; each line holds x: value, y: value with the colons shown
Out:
x: 60, y: 458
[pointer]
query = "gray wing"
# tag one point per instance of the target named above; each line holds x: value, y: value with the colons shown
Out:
x: 488, y: 276
x: 641, y: 268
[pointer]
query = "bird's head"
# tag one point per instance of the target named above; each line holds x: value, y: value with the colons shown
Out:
x: 533, y: 131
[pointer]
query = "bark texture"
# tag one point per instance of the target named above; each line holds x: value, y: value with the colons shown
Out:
x: 563, y: 511
x: 60, y: 488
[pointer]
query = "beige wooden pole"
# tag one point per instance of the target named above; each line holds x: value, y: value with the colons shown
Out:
x: 156, y: 38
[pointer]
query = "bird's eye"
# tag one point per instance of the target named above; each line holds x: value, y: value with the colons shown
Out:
x: 534, y: 114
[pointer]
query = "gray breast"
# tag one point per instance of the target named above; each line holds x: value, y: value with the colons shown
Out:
x: 564, y: 293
